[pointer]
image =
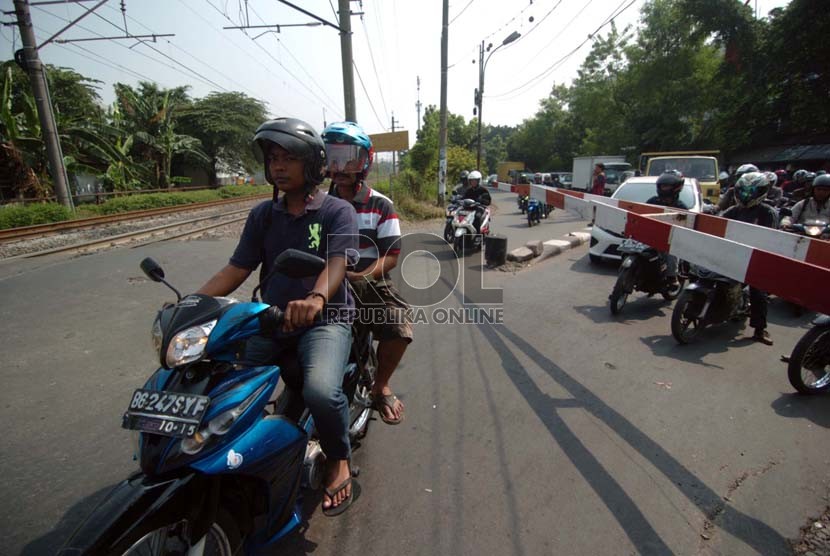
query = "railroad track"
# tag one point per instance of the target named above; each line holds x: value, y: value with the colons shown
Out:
x: 146, y: 236
x: 42, y: 230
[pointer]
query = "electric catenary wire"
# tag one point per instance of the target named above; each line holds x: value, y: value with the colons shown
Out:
x: 299, y: 64
x: 188, y: 54
x: 271, y: 56
x: 556, y: 36
x: 461, y: 12
x: 195, y: 75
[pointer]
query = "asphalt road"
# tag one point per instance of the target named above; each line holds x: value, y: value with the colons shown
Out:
x: 561, y: 431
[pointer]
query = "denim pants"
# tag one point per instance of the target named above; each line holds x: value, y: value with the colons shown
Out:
x: 323, y: 353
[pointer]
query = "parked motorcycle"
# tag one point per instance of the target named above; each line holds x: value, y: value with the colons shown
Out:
x: 221, y: 466
x: 466, y: 236
x: 708, y: 299
x: 643, y: 269
x: 452, y: 207
x: 535, y: 209
x: 809, y: 364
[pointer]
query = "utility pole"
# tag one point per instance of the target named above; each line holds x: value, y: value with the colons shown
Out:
x: 479, y: 95
x: 442, y: 134
x: 346, y: 58
x: 418, y: 103
x: 324, y: 118
x: 33, y: 66
x: 394, y: 160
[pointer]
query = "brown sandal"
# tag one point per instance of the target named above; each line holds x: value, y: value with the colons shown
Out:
x: 379, y: 402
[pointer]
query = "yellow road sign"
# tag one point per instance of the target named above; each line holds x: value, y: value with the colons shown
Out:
x: 393, y: 141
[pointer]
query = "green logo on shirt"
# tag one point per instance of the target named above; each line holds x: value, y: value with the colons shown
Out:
x: 314, y: 236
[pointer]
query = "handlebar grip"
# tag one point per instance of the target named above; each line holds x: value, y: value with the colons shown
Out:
x: 271, y: 319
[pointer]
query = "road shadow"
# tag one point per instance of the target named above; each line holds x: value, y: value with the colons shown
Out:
x: 755, y: 533
x: 584, y: 265
x: 715, y: 339
x: 815, y: 409
x: 784, y: 313
x: 52, y: 541
x: 637, y: 309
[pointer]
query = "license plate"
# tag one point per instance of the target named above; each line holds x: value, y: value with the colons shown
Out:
x: 165, y: 413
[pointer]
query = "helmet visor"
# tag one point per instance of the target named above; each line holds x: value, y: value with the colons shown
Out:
x: 346, y: 159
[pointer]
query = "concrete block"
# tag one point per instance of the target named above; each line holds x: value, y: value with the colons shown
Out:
x: 556, y: 246
x: 535, y: 245
x: 520, y: 255
x: 578, y: 238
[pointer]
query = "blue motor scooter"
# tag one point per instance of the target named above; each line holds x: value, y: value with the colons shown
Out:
x: 221, y: 464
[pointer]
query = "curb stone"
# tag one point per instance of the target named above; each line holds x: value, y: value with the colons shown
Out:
x: 554, y: 247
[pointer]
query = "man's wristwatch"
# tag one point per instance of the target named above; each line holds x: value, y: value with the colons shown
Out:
x: 314, y: 293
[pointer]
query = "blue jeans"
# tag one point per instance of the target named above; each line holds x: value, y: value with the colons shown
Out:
x: 323, y: 353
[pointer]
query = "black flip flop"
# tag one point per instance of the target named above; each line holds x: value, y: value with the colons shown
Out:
x: 346, y: 504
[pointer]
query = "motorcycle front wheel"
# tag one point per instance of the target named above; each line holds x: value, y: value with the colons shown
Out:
x: 222, y: 539
x: 448, y: 233
x: 618, y: 295
x: 684, y: 327
x: 671, y: 293
x: 809, y: 367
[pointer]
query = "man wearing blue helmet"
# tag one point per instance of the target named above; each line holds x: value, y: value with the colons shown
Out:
x: 349, y: 152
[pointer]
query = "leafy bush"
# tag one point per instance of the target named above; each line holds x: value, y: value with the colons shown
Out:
x: 159, y: 200
x: 15, y: 216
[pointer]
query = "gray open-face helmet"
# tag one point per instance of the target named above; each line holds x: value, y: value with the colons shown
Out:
x: 297, y: 137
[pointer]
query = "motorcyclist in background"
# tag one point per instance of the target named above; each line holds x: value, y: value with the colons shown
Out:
x: 478, y: 194
x: 815, y: 207
x: 750, y: 191
x: 775, y: 193
x: 723, y: 182
x: 462, y: 188
x: 798, y: 182
x: 728, y: 199
x: 669, y: 185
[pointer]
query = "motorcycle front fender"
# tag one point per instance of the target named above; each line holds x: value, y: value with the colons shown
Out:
x: 628, y: 261
x: 141, y: 504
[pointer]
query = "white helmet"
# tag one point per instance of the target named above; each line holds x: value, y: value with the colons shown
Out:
x: 474, y: 175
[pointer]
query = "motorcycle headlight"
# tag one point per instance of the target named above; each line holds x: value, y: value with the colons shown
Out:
x: 812, y: 231
x: 188, y: 345
x: 470, y: 217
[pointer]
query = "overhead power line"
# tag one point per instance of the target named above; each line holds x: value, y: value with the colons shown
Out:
x: 193, y: 73
x: 616, y: 12
x: 271, y: 56
x: 299, y: 64
x: 461, y: 12
x: 556, y: 36
x: 368, y: 98
x: 374, y: 67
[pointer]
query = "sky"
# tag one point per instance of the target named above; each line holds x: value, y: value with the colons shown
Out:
x: 297, y: 72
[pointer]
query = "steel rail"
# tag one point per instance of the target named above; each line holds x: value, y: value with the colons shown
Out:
x: 40, y: 230
x: 128, y: 237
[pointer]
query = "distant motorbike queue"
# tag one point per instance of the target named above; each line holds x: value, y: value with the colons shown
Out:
x: 797, y: 203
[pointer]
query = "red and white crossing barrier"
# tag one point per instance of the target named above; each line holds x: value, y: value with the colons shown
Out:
x: 792, y: 267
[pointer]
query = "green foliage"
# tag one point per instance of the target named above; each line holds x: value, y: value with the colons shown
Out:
x: 15, y: 216
x: 224, y: 123
x: 159, y: 200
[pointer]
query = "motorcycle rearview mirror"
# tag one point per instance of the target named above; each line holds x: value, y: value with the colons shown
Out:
x: 154, y: 272
x: 295, y: 264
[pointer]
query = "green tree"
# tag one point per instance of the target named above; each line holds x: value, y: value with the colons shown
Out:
x: 151, y: 114
x: 225, y: 123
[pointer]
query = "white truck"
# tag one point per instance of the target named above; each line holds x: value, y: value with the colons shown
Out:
x: 617, y: 170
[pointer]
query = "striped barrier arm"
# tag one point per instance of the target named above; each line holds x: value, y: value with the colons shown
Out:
x: 790, y: 266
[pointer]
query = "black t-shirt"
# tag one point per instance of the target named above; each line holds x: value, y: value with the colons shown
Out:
x: 656, y: 200
x: 761, y: 215
x: 479, y: 195
x: 327, y: 228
